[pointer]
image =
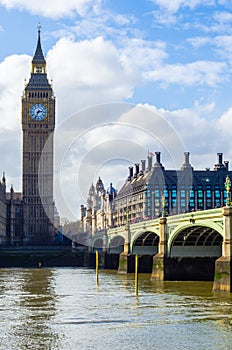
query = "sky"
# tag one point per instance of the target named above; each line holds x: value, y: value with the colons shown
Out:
x: 129, y: 77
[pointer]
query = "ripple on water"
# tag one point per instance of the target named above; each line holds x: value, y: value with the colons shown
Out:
x: 63, y: 309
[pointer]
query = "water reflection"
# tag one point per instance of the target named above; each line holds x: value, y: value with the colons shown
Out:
x: 28, y: 304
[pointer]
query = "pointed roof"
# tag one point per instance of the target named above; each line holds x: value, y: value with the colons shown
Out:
x: 38, y: 56
x: 38, y: 79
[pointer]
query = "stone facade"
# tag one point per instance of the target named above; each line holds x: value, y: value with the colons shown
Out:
x: 99, y: 211
x: 151, y: 191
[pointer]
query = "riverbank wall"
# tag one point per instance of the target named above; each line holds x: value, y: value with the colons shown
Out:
x: 41, y: 256
x: 201, y: 269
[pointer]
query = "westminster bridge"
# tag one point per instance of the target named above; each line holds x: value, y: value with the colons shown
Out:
x: 195, y: 245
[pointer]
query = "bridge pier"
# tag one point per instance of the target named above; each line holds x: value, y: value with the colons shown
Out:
x: 126, y: 260
x: 223, y: 271
x: 160, y: 260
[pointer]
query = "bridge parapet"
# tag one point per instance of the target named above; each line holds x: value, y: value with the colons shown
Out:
x: 210, y: 214
x: 116, y: 230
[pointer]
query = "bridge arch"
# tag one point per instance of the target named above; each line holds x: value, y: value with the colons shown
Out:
x: 198, y: 240
x: 145, y: 242
x: 116, y: 245
x: 98, y: 244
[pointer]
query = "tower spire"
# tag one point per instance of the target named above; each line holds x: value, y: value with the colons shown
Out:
x: 38, y: 61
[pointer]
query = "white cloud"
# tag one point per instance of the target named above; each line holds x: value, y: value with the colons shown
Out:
x: 142, y: 55
x: 216, y: 22
x: 164, y: 18
x: 107, y: 24
x: 202, y: 136
x: 224, y: 124
x: 97, y: 141
x: 195, y: 73
x: 12, y: 71
x: 174, y: 5
x: 88, y: 72
x: 53, y: 8
x: 223, y: 43
x: 223, y: 17
x: 200, y: 41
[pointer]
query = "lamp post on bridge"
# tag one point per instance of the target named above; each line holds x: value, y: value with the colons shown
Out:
x: 127, y: 238
x: 163, y: 206
x: 227, y: 187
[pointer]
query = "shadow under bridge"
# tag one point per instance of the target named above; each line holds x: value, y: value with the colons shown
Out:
x: 193, y: 253
x: 145, y: 243
x: 197, y: 241
x: 116, y: 245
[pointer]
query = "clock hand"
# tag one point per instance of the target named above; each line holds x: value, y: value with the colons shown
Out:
x: 39, y: 111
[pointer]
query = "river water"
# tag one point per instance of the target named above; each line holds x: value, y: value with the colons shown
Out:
x: 64, y: 309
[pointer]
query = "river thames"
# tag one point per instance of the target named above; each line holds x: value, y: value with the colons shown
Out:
x: 64, y: 309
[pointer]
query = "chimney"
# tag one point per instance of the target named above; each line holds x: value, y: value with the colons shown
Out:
x: 186, y: 158
x: 219, y: 165
x: 130, y: 173
x: 149, y: 163
x: 186, y: 164
x: 220, y: 158
x: 157, y: 157
x: 143, y: 165
x: 136, y: 170
x: 226, y: 162
x: 157, y: 161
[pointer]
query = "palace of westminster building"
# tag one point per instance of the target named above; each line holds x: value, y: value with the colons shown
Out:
x: 149, y: 191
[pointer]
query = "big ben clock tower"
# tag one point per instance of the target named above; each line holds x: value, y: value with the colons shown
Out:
x: 38, y: 123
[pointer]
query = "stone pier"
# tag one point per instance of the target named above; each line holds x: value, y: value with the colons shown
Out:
x: 160, y: 259
x: 222, y: 276
x: 126, y: 260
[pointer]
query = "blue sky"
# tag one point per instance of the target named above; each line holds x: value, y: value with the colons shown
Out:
x: 172, y: 57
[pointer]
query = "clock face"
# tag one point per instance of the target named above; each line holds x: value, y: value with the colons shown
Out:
x: 38, y: 112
